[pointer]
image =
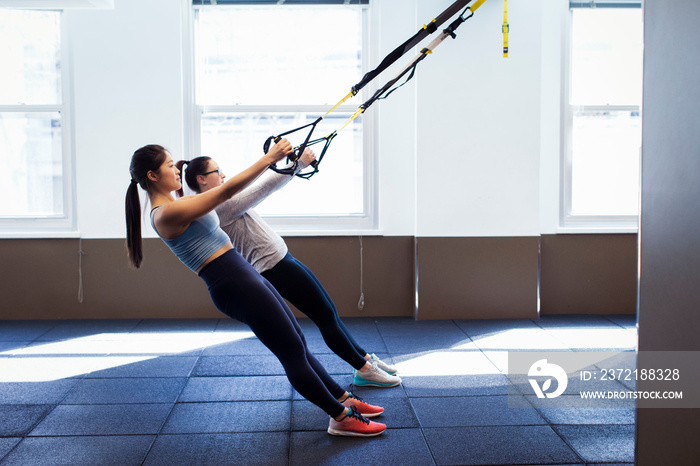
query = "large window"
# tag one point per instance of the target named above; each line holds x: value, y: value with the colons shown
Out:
x: 603, y: 131
x: 261, y: 70
x: 35, y: 181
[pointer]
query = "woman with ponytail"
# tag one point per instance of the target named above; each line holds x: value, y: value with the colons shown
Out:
x: 190, y: 228
x: 267, y: 252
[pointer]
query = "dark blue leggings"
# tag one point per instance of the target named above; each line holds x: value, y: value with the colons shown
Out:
x: 297, y: 284
x: 241, y: 293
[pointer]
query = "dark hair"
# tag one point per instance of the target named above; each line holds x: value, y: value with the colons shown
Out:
x: 145, y: 159
x: 195, y: 167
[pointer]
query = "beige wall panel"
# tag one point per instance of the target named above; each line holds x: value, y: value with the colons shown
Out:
x: 162, y: 288
x: 41, y: 279
x: 459, y: 277
x: 588, y: 274
x: 38, y: 278
x: 387, y: 272
x: 477, y: 278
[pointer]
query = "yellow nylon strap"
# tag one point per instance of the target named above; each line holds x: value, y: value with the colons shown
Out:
x: 350, y: 94
x: 357, y: 113
x: 505, y: 28
x: 476, y: 5
x: 425, y: 26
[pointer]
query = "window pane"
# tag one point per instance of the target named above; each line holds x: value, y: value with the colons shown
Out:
x: 235, y: 141
x: 286, y: 55
x: 30, y: 146
x: 30, y: 57
x: 607, y: 57
x: 605, y: 164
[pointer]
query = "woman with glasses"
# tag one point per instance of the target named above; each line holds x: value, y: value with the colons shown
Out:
x: 190, y: 228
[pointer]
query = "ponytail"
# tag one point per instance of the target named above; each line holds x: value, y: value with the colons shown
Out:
x: 134, y: 242
x: 145, y: 159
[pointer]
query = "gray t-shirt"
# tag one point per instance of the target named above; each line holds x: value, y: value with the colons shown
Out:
x: 250, y: 234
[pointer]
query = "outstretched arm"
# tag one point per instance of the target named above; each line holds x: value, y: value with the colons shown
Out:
x: 250, y: 197
x: 176, y: 216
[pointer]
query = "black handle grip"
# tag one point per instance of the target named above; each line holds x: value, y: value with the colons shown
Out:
x: 266, y: 145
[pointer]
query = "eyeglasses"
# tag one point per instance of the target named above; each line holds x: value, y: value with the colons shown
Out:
x: 217, y: 171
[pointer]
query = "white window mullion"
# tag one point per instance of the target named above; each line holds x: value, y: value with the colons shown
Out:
x: 69, y: 186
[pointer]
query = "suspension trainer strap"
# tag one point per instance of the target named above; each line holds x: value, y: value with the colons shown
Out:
x: 385, y: 90
x: 399, y: 51
x: 476, y: 5
x: 505, y: 28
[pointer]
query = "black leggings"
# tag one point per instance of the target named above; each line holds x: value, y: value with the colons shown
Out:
x: 296, y: 283
x: 241, y: 293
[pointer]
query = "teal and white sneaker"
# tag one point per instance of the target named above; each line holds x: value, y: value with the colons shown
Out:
x: 389, y: 369
x: 375, y: 377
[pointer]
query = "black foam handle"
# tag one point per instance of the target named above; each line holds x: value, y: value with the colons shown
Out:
x: 266, y: 145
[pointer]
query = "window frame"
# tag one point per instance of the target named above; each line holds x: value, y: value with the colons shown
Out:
x: 61, y: 225
x: 577, y: 223
x: 299, y: 225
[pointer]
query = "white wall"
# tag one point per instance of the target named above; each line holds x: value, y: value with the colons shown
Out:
x: 478, y: 121
x: 394, y: 22
x: 127, y: 92
x: 458, y: 148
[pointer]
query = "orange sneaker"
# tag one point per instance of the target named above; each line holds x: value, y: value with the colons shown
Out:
x: 366, y: 409
x: 355, y: 424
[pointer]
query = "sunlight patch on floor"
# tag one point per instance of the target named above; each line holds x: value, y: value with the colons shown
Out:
x: 47, y: 369
x: 78, y: 356
x: 596, y: 338
x: 519, y: 339
x: 447, y: 363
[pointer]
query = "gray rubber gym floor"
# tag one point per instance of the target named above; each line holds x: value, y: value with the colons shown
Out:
x: 171, y: 392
